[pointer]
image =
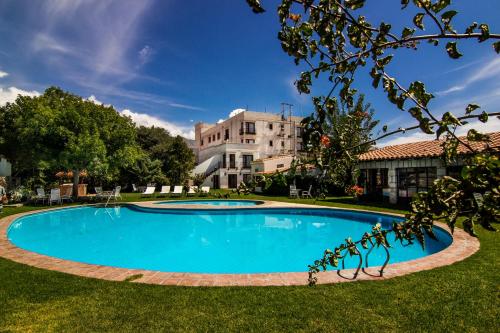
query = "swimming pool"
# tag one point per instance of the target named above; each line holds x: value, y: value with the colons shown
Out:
x: 209, y: 202
x: 245, y: 240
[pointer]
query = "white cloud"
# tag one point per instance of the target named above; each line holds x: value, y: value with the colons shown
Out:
x: 185, y: 106
x: 145, y: 54
x: 490, y: 70
x: 493, y: 125
x: 220, y: 121
x: 143, y: 119
x: 9, y: 95
x: 3, y: 74
x: 235, y: 112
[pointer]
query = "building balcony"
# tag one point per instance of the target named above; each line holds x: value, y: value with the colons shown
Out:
x: 247, y: 132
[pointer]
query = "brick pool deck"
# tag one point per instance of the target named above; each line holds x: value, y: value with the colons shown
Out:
x: 461, y: 248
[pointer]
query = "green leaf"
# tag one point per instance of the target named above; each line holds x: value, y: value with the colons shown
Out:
x: 447, y: 16
x: 496, y: 46
x: 485, y: 32
x: 440, y: 5
x: 471, y: 107
x: 384, y: 61
x: 417, y: 20
x: 425, y: 126
x: 451, y: 48
x: 470, y: 28
x: 483, y: 117
x: 256, y: 6
x: 384, y: 129
x: 407, y: 32
x: 354, y: 4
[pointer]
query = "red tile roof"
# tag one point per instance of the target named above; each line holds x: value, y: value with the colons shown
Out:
x: 424, y: 149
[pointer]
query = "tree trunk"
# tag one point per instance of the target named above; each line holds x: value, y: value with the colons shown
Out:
x: 76, y: 180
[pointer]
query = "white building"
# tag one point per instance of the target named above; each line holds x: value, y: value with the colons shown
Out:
x: 398, y: 172
x: 225, y: 150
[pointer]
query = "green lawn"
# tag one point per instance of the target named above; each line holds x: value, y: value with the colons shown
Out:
x: 463, y: 297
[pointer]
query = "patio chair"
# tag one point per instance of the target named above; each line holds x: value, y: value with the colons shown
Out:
x: 40, y: 195
x: 148, y: 192
x: 115, y: 194
x: 193, y: 190
x: 67, y: 195
x: 165, y: 190
x: 55, y: 196
x: 177, y: 191
x: 294, y: 193
x: 307, y: 194
x: 205, y: 190
x: 99, y: 194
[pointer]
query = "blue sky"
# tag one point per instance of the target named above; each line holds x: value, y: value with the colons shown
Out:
x: 172, y: 63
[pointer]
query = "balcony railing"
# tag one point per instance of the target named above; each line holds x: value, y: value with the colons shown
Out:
x: 246, y: 132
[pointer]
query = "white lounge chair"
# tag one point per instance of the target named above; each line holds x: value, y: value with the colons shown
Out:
x: 307, y: 194
x: 205, y: 190
x: 40, y: 195
x: 148, y: 192
x: 165, y: 190
x: 294, y: 193
x: 55, y: 196
x: 177, y: 191
x: 193, y: 190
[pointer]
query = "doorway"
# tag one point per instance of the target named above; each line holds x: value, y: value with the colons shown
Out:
x: 232, y: 181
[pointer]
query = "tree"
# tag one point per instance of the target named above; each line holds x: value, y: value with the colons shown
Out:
x: 176, y: 157
x: 61, y: 130
x: 179, y: 161
x: 334, y: 38
x: 329, y: 134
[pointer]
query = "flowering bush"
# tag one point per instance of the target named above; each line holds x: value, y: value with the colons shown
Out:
x: 325, y: 141
x: 355, y: 191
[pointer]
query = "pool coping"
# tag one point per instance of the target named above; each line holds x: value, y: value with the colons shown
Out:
x: 462, y: 247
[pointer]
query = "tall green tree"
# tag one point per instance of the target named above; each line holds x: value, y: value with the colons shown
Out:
x: 334, y: 128
x: 177, y: 160
x: 61, y: 130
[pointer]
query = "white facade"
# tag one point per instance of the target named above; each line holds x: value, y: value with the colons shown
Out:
x: 227, y: 149
x: 393, y: 189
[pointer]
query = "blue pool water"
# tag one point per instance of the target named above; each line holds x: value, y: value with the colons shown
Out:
x: 204, y: 241
x: 212, y: 202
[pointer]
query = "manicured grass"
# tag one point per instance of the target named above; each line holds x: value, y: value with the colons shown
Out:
x: 463, y: 297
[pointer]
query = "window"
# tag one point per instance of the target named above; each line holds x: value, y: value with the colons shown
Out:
x: 299, y: 146
x: 218, y: 135
x: 250, y: 128
x: 250, y: 141
x: 281, y: 165
x: 282, y: 143
x: 270, y: 143
x: 247, y: 178
x: 271, y: 126
x: 241, y: 140
x: 282, y: 126
x: 224, y: 163
x: 201, y: 142
x: 226, y: 134
x: 213, y: 137
x: 232, y: 161
x: 374, y: 181
x: 299, y: 131
x: 413, y: 180
x: 209, y: 139
x: 247, y: 160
